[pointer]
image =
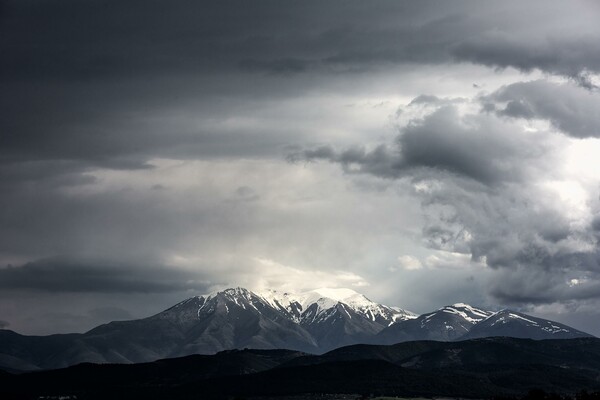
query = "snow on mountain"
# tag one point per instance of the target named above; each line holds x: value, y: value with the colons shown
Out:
x: 313, y: 321
x: 468, y: 313
x: 322, y: 301
x: 334, y: 317
x: 448, y: 323
x: 515, y: 324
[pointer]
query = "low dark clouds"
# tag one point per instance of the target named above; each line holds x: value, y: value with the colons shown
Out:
x: 80, y: 82
x: 571, y: 109
x: 476, y: 147
x: 381, y: 161
x: 568, y: 56
x: 109, y: 39
x: 60, y: 274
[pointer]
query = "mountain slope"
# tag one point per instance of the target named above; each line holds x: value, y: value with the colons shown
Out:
x: 233, y: 318
x: 518, y: 325
x: 447, y: 323
x: 229, y: 319
x: 336, y: 317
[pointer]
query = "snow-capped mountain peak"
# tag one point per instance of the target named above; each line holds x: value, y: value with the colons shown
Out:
x: 314, y: 321
x: 322, y: 301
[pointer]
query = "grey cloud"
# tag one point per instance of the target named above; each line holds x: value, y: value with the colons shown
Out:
x: 569, y: 108
x: 517, y: 109
x: 83, y: 82
x: 530, y: 245
x: 59, y: 274
x: 596, y: 224
x: 534, y: 286
x: 424, y: 99
x: 430, y: 99
x: 4, y: 324
x: 499, y: 224
x: 246, y: 193
x: 116, y: 126
x: 475, y: 147
x: 382, y: 161
x: 569, y: 56
x: 108, y: 39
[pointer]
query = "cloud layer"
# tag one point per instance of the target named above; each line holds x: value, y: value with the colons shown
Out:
x: 145, y: 154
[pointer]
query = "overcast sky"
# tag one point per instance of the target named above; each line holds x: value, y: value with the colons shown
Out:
x: 422, y: 153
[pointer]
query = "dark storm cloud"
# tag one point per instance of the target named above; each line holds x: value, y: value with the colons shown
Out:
x: 107, y: 39
x: 80, y: 81
x: 114, y: 125
x: 570, y: 109
x: 60, y: 274
x: 381, y: 161
x: 568, y: 56
x: 474, y: 147
x: 553, y: 283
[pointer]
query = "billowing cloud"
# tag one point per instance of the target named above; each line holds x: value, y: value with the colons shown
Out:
x: 474, y: 146
x: 569, y: 108
x: 497, y: 192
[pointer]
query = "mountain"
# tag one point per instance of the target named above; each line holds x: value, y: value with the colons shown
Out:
x: 234, y: 318
x: 448, y: 323
x: 314, y: 305
x: 230, y: 319
x: 479, y: 368
x: 336, y: 317
x: 518, y: 325
x: 314, y: 322
x: 461, y: 322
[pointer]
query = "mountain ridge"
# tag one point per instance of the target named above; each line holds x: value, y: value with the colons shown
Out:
x: 476, y: 368
x: 313, y: 322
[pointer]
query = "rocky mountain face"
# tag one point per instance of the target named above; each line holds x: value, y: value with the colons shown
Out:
x: 446, y: 324
x: 519, y: 325
x: 314, y: 322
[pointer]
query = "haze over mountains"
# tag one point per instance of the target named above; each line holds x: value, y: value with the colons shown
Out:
x: 315, y: 322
